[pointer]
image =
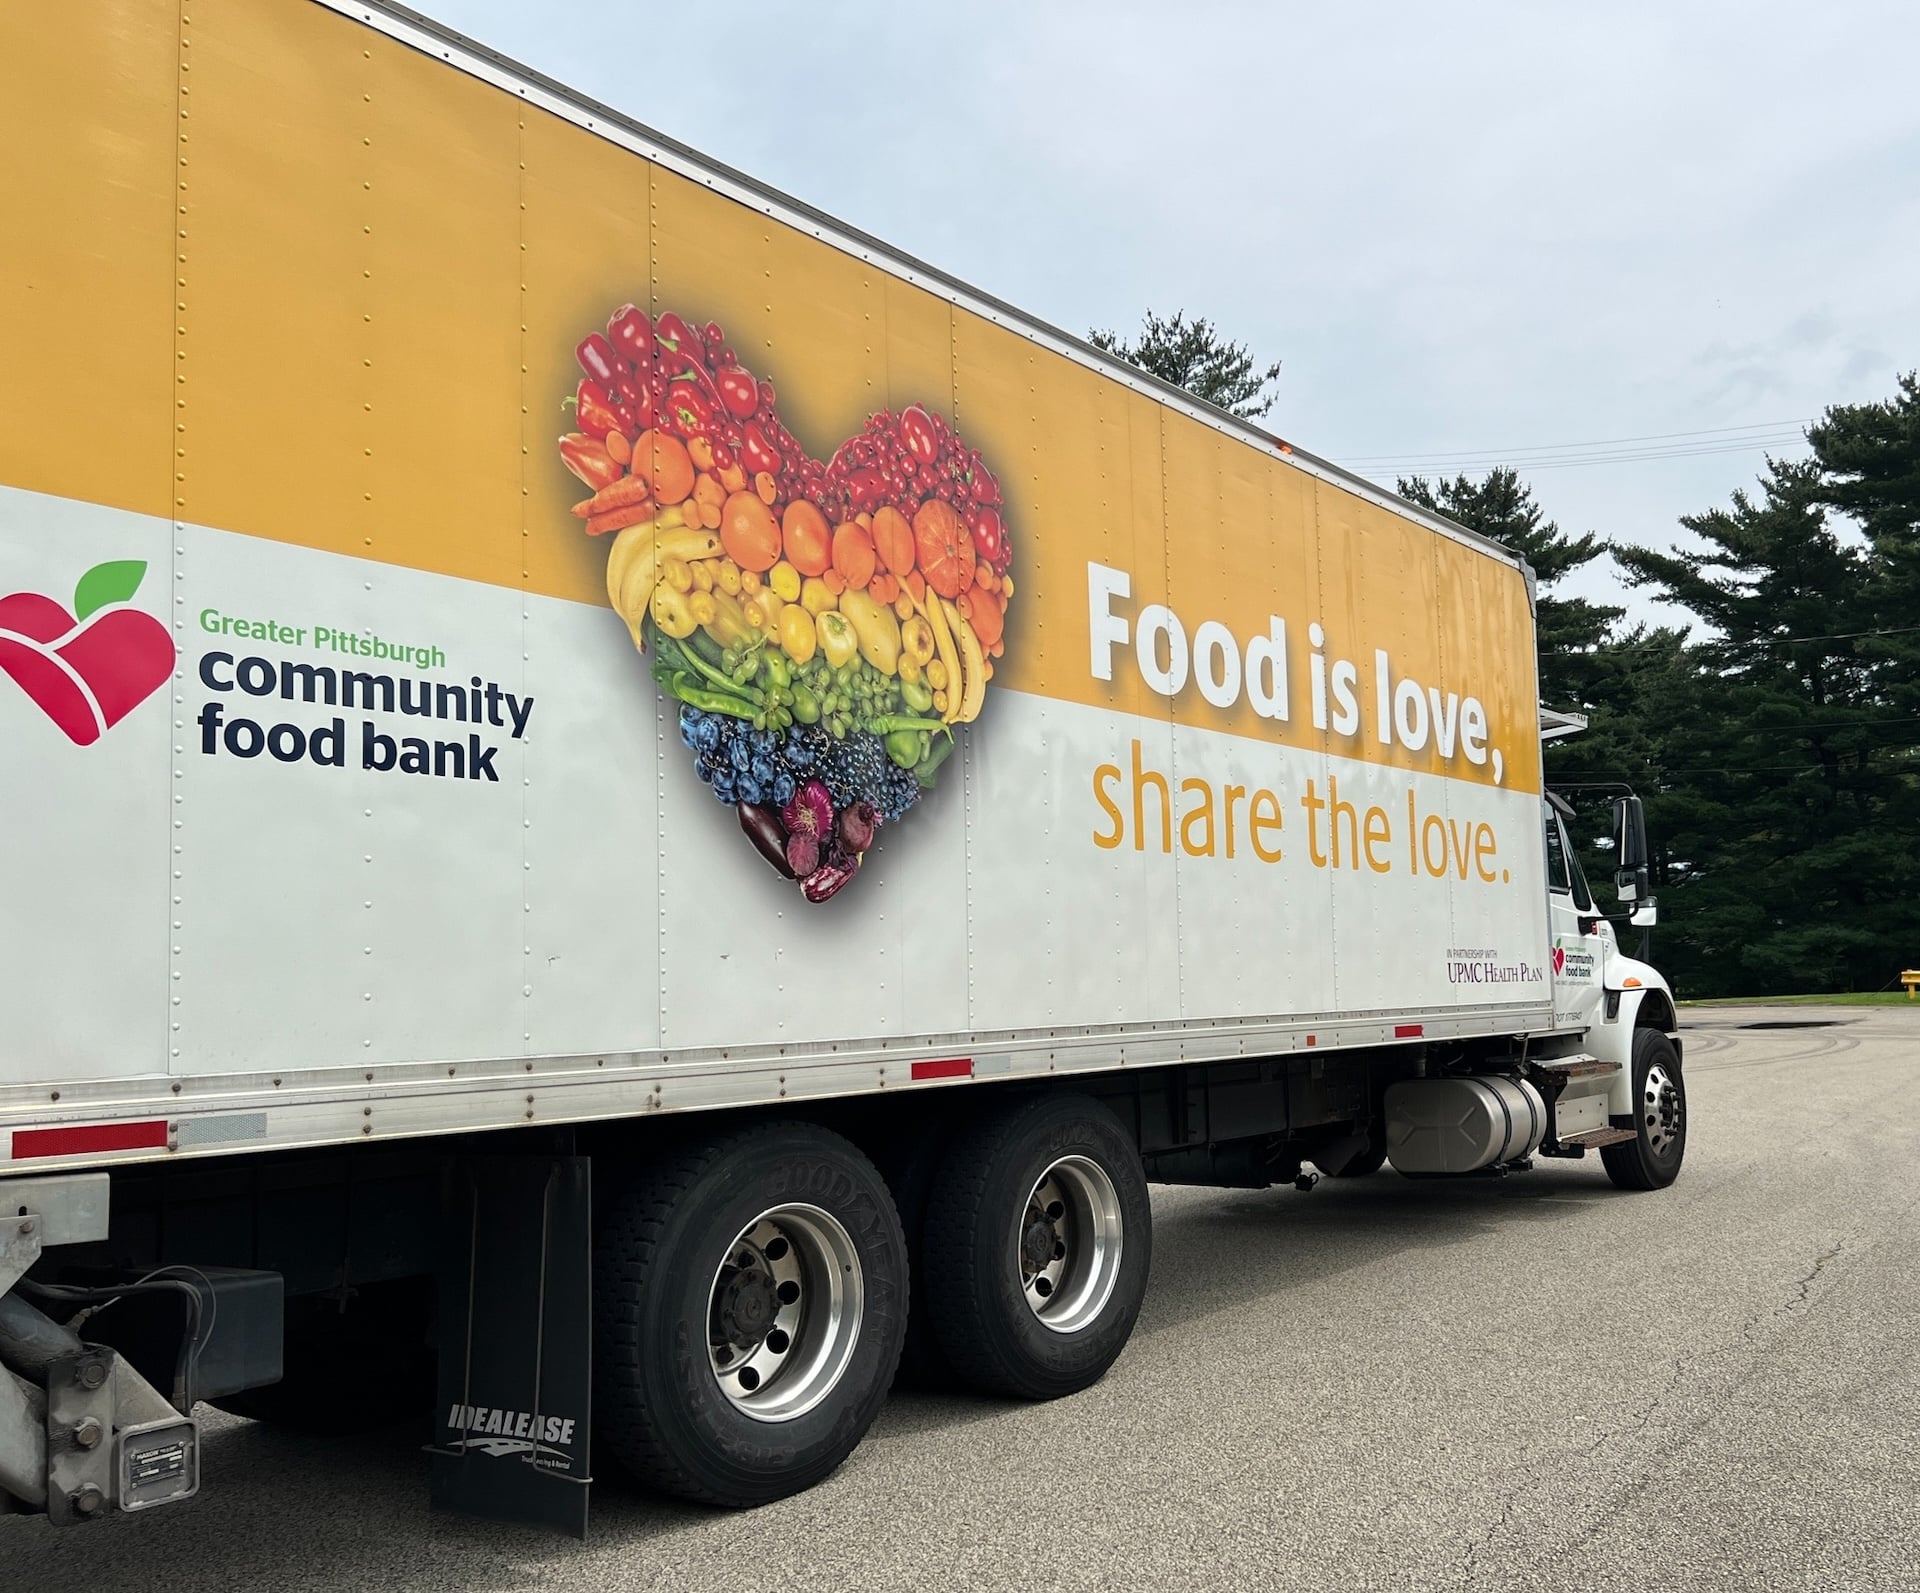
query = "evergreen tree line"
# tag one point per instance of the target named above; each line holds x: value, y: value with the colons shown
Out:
x: 1774, y: 729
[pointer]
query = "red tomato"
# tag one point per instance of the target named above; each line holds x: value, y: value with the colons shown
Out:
x: 759, y: 452
x: 916, y: 431
x: 631, y: 333
x: 989, y: 535
x: 739, y: 392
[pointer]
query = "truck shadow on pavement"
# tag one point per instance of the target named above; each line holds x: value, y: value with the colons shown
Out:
x: 289, y: 1511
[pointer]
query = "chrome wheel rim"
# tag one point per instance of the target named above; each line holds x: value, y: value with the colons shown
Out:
x: 783, y: 1315
x: 1662, y: 1112
x: 1068, y: 1244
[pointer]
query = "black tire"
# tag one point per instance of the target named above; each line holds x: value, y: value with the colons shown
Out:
x: 909, y: 1164
x: 351, y: 1371
x: 977, y: 1221
x: 1652, y: 1158
x: 658, y: 1399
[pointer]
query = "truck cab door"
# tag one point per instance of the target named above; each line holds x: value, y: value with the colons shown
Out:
x: 1580, y: 936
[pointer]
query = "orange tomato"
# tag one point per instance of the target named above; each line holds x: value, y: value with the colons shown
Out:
x: 809, y: 546
x: 749, y: 533
x: 987, y: 619
x: 944, y: 547
x: 666, y: 466
x: 893, y: 540
x: 853, y: 554
x: 836, y: 582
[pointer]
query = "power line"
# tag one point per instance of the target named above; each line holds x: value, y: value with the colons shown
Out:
x: 1597, y: 442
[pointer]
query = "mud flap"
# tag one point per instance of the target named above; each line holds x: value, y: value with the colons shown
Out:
x: 511, y: 1434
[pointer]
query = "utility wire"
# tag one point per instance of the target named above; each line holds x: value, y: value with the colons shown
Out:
x: 1615, y: 450
x: 1597, y: 442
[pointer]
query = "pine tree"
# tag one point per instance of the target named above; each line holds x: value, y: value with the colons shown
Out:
x: 1193, y: 354
x: 1787, y: 781
x: 1569, y: 629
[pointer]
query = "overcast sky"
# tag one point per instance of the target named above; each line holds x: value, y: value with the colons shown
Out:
x: 1464, y: 228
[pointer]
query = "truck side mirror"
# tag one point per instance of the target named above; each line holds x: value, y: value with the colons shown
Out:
x: 1645, y: 914
x: 1629, y: 847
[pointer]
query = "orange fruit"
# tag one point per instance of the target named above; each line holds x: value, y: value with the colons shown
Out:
x: 749, y: 533
x: 893, y: 540
x: 853, y: 554
x: 809, y: 544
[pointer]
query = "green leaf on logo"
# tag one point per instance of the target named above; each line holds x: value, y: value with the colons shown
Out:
x: 113, y: 582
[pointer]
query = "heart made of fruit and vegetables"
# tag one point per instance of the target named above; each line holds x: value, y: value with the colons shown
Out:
x: 824, y: 627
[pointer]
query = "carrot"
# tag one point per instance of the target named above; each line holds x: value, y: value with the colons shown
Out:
x: 620, y: 519
x: 584, y: 509
x: 623, y: 494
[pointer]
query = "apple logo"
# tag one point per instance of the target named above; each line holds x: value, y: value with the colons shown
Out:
x: 87, y: 670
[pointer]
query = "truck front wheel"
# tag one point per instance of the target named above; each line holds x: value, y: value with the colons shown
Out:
x: 749, y: 1306
x: 1037, y: 1243
x: 1651, y: 1159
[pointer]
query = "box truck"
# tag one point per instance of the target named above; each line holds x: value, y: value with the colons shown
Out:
x: 625, y: 808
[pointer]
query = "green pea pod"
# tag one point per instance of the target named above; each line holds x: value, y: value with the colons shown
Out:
x: 886, y: 724
x: 687, y: 658
x: 688, y: 690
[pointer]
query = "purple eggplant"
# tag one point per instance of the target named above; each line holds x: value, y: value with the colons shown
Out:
x: 762, y: 826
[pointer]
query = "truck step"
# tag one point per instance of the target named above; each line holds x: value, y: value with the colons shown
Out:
x: 1594, y: 1138
x: 1576, y: 1067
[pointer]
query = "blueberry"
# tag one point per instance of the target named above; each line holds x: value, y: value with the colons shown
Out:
x: 707, y: 732
x: 763, y: 768
x: 723, y: 788
x: 750, y: 790
x: 783, y: 789
x: 740, y: 754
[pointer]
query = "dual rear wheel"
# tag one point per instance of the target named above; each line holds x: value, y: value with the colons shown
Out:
x: 752, y: 1293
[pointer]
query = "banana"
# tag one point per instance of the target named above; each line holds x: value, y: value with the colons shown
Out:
x: 974, y: 657
x: 633, y: 566
x: 943, y: 644
x: 691, y: 545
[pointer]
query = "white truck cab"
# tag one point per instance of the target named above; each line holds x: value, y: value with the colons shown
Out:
x: 1619, y: 1006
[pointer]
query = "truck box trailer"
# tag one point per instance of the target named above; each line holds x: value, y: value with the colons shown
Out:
x: 624, y: 805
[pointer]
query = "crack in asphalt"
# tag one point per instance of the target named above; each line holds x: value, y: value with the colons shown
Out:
x: 1636, y: 1423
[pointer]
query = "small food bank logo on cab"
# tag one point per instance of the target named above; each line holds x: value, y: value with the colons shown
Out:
x: 90, y: 667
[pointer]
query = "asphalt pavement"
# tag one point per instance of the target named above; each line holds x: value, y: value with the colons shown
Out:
x: 1533, y: 1382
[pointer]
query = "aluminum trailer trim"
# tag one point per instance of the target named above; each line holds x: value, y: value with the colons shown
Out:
x: 225, y: 1114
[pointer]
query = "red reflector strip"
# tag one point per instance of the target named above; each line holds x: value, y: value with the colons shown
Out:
x: 1408, y: 1031
x: 31, y: 1142
x: 959, y: 1067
